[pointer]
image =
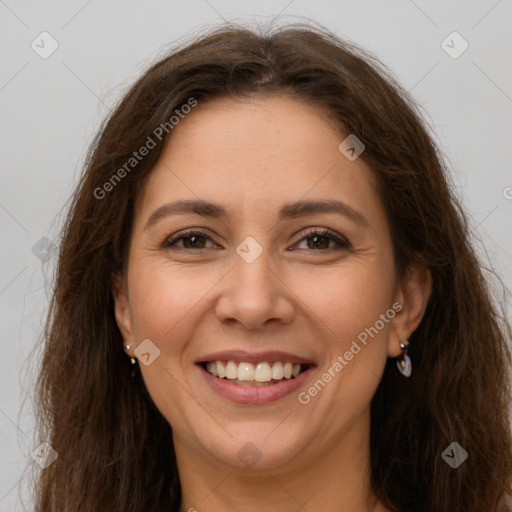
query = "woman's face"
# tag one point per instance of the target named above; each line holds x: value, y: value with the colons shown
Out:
x: 261, y: 286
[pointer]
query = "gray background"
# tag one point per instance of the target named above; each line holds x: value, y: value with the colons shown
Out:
x: 52, y: 107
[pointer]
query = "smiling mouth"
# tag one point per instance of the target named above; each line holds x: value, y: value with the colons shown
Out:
x: 249, y: 374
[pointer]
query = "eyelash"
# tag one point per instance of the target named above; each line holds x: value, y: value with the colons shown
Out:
x: 309, y: 233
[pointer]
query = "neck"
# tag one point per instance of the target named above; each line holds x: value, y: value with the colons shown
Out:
x: 335, y: 480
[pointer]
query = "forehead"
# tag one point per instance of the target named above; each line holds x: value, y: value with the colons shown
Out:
x: 255, y: 154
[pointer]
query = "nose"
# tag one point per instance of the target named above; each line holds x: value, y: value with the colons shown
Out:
x: 254, y: 295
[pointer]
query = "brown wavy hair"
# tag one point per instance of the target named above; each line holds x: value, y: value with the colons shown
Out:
x: 115, y: 449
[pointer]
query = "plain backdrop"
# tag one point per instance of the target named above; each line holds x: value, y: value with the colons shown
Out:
x: 52, y: 106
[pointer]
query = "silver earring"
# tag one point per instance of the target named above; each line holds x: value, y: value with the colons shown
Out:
x: 403, y: 362
x: 132, y: 360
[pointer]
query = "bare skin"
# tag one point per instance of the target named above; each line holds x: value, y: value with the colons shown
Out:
x: 192, y: 299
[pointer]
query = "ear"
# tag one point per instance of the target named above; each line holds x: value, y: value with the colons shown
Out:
x: 122, y: 309
x: 413, y: 293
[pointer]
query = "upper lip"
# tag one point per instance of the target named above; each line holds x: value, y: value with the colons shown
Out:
x: 254, y: 357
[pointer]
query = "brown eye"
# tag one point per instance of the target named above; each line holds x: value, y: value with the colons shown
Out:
x: 194, y: 242
x: 319, y: 240
x: 191, y: 240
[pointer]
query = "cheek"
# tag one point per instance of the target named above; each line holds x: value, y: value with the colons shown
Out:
x: 345, y: 299
x: 165, y: 305
x: 164, y: 299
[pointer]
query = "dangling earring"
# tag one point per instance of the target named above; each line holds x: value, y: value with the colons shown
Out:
x: 132, y: 360
x: 403, y: 362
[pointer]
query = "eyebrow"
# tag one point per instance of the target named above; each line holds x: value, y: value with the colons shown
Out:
x: 287, y: 211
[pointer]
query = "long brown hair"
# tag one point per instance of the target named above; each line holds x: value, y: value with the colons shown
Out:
x: 115, y: 449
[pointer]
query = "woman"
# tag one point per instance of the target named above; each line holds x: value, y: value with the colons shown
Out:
x: 266, y: 298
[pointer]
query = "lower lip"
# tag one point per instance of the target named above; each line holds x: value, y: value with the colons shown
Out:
x: 255, y: 395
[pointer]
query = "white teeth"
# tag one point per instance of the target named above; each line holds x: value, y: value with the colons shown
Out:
x: 245, y: 371
x: 263, y: 372
x: 212, y: 368
x: 231, y: 370
x: 277, y: 370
